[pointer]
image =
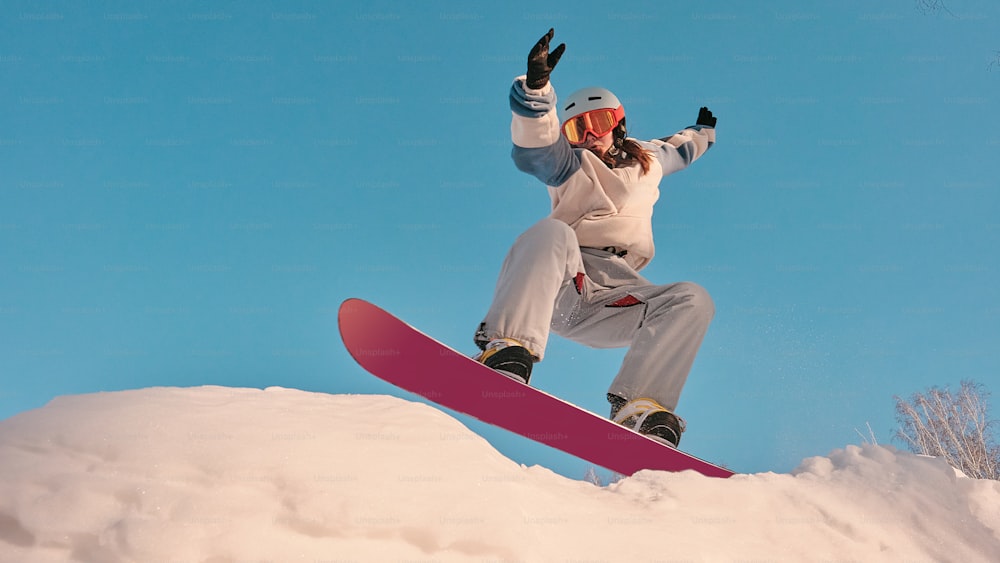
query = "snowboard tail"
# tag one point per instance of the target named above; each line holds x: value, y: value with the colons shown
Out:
x: 402, y: 355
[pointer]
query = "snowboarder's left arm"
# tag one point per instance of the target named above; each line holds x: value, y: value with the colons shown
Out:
x: 679, y: 150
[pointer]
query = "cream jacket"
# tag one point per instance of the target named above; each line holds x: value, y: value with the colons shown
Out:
x: 605, y: 207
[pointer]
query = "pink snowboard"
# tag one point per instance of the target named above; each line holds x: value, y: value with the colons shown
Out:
x: 400, y: 354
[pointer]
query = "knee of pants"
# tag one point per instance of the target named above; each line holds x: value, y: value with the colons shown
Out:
x: 552, y: 230
x: 696, y: 297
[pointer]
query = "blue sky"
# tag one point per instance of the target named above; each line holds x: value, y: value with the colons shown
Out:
x: 189, y: 191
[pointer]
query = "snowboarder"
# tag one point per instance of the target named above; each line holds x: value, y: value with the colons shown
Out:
x: 575, y: 272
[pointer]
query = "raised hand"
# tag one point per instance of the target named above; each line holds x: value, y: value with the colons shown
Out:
x: 541, y: 61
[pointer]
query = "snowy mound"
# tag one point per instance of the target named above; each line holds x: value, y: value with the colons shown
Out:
x: 220, y: 474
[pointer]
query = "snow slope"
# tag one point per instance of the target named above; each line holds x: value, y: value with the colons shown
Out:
x: 221, y: 474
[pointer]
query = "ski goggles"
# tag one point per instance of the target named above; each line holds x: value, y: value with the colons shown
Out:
x: 598, y: 122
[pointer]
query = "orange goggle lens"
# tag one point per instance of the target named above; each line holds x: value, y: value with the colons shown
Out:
x: 598, y: 122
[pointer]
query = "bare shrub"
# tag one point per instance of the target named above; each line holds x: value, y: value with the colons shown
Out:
x: 935, y: 6
x: 955, y: 426
x: 592, y: 477
x: 931, y: 6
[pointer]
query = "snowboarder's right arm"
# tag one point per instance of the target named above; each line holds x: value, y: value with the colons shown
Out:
x: 539, y: 147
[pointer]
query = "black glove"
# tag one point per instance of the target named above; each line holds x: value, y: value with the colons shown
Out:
x: 705, y: 117
x: 541, y: 61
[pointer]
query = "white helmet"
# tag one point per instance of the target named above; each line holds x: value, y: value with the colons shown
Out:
x: 587, y: 99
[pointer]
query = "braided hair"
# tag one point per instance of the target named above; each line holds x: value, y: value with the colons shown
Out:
x: 626, y: 151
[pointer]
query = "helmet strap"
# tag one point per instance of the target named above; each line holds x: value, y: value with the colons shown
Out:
x: 619, y: 134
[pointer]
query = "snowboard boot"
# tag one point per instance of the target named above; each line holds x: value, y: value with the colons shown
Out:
x: 509, y: 358
x: 647, y: 417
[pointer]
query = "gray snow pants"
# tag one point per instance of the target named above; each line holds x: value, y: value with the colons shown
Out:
x: 594, y: 297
